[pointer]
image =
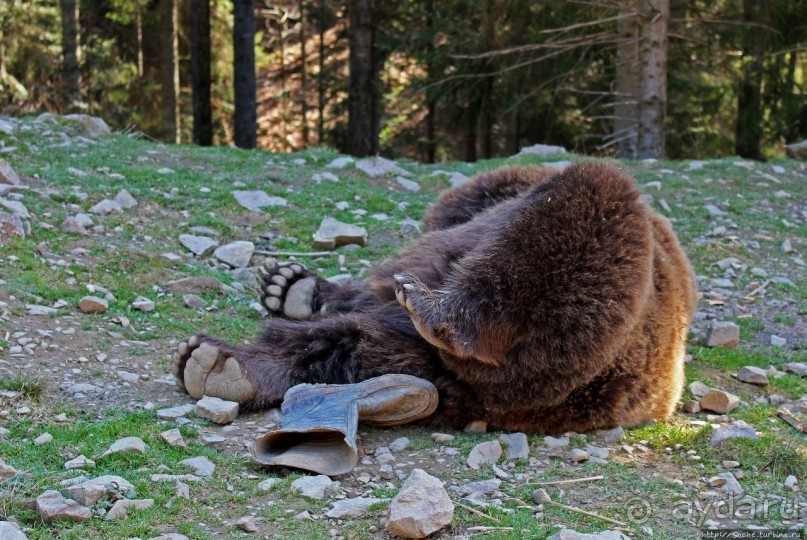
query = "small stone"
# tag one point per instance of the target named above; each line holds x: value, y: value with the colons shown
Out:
x: 719, y: 401
x: 612, y: 436
x: 477, y: 426
x: 201, y: 246
x: 421, y: 507
x: 52, y: 506
x: 541, y: 150
x: 305, y: 515
x: 698, y: 389
x: 312, y: 487
x: 193, y: 301
x: 10, y: 531
x: 714, y: 211
x: 351, y: 508
x: 247, y: 523
x: 723, y: 334
x: 142, y: 303
x: 791, y: 482
x: 517, y: 445
x: 778, y: 341
x: 340, y: 162
x: 568, y: 534
x: 578, y: 456
x: 125, y: 199
x: 796, y: 368
x: 73, y: 226
x: 753, y: 375
x: 728, y: 464
x: 93, y: 304
x: 105, y: 207
x: 399, y: 445
x: 92, y: 126
x: 216, y: 410
x: 735, y: 430
x: 319, y: 177
x: 8, y: 176
x: 128, y: 376
x: 268, y: 484
x: 122, y: 507
x: 556, y: 442
x: 787, y: 245
x: 10, y: 225
x: 235, y: 254
x: 692, y: 406
x: 7, y: 471
x: 333, y: 233
x: 172, y: 413
x: 174, y: 438
x: 483, y: 487
x: 91, y: 491
x: 126, y: 445
x: 730, y: 484
x: 442, y: 437
x: 597, y: 452
x: 257, y: 199
x: 484, y: 453
x: 170, y: 536
x: 409, y: 185
x: 202, y: 466
x: 81, y: 463
x: 378, y: 166
x: 43, y: 439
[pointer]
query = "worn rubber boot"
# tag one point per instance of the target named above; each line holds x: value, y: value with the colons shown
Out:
x: 318, y: 422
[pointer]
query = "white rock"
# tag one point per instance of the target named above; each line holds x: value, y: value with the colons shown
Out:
x: 312, y: 487
x: 541, y: 150
x: 122, y: 507
x: 753, y: 375
x: 731, y: 484
x: 8, y: 175
x: 10, y: 225
x: 91, y: 491
x: 577, y: 455
x: 201, y: 246
x: 268, y: 484
x: 126, y: 445
x: 517, y: 445
x: 409, y: 185
x: 735, y: 430
x: 420, y: 508
x: 235, y: 254
x: 172, y: 413
x: 399, y: 445
x: 128, y: 376
x: 568, y: 534
x: 484, y: 453
x: 319, y: 177
x: 340, y: 162
x: 43, y: 439
x: 556, y: 442
x: 16, y: 208
x: 81, y: 463
x: 378, y: 166
x: 174, y: 438
x: 105, y: 207
x: 778, y: 341
x: 442, y: 437
x: 10, y: 531
x: 333, y: 233
x: 257, y: 199
x: 125, y: 199
x: 93, y: 127
x: 142, y: 303
x: 216, y: 410
x: 351, y: 508
x: 247, y: 523
x: 202, y: 466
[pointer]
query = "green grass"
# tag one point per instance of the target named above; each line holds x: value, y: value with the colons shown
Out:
x: 29, y: 387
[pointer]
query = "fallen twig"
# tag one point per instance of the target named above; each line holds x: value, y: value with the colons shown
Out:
x: 295, y: 253
x: 570, y: 481
x: 489, y: 529
x: 545, y: 499
x: 477, y: 512
x: 785, y: 415
x: 760, y: 288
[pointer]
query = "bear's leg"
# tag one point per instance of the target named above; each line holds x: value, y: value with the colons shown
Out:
x: 339, y: 350
x: 289, y: 290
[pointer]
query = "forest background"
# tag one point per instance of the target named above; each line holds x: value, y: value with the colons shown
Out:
x: 431, y: 80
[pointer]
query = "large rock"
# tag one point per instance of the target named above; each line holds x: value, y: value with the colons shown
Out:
x: 201, y: 465
x: 235, y: 254
x: 52, y: 506
x: 719, y: 401
x: 351, y: 508
x: 10, y: 531
x: 796, y: 368
x: 723, y: 334
x: 257, y: 199
x: 106, y: 206
x: 312, y: 487
x: 126, y: 445
x: 568, y: 534
x: 201, y: 246
x: 421, y: 507
x: 735, y: 430
x: 93, y: 304
x: 797, y: 150
x: 8, y: 175
x: 541, y: 150
x: 378, y: 166
x: 216, y: 410
x: 10, y: 225
x: 16, y: 207
x: 92, y: 126
x: 91, y: 491
x: 484, y: 453
x: 333, y: 233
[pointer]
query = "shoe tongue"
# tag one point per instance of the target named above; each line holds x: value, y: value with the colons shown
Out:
x: 324, y: 451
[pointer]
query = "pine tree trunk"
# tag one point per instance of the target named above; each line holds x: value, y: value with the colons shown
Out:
x: 71, y: 52
x: 139, y: 29
x: 303, y: 75
x: 200, y: 72
x: 431, y: 105
x: 244, y: 73
x: 749, y: 104
x: 363, y: 92
x: 321, y: 76
x: 169, y: 70
x: 653, y: 77
x: 626, y: 107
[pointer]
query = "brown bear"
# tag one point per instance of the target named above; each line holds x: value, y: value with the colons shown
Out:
x: 536, y: 300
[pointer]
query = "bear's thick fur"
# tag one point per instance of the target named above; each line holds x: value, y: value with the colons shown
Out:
x: 537, y: 300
